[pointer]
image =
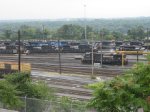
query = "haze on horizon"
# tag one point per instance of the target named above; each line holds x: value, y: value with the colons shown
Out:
x: 58, y: 9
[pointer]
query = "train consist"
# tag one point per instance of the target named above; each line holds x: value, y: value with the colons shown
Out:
x: 120, y: 45
x: 11, y: 47
x: 45, y: 47
x: 105, y: 58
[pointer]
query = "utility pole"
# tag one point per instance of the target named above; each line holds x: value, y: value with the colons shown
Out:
x: 59, y: 57
x: 19, y: 52
x: 147, y: 34
x: 101, y: 48
x: 147, y: 39
x: 92, y: 61
x: 137, y: 56
x: 43, y: 30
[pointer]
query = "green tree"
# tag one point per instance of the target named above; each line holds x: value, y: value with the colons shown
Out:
x: 124, y: 93
x: 66, y: 104
x: 7, y: 34
x: 26, y: 87
x: 90, y: 33
x: 104, y: 32
x: 18, y: 85
x: 70, y: 32
x: 117, y: 35
x: 136, y: 33
x: 8, y: 95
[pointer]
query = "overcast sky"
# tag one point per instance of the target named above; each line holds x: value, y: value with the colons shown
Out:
x: 57, y: 9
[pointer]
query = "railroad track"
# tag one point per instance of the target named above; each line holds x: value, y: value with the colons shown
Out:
x: 70, y: 87
x: 69, y: 65
x: 64, y: 85
x: 77, y: 70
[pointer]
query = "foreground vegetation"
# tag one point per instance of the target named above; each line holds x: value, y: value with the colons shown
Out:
x: 126, y: 93
x: 17, y: 86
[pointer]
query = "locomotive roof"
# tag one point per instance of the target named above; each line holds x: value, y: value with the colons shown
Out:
x: 104, y: 53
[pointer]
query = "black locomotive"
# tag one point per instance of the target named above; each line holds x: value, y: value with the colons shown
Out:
x: 110, y: 59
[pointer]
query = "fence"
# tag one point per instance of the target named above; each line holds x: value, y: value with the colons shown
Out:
x: 37, y: 105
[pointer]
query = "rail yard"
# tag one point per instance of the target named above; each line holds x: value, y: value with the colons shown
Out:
x: 74, y: 75
x: 61, y: 65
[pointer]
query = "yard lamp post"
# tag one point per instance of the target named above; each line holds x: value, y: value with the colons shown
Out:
x: 19, y: 52
x: 92, y: 60
x: 101, y: 49
x: 59, y: 56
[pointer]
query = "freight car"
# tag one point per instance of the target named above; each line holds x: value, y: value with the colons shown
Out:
x: 127, y: 48
x: 110, y: 59
x: 105, y: 45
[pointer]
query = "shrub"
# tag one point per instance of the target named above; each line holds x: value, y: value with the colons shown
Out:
x: 124, y: 93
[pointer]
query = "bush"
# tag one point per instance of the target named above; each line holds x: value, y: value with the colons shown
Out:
x: 17, y: 85
x: 8, y: 95
x: 124, y: 93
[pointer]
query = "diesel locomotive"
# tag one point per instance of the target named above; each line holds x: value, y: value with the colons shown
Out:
x: 110, y: 59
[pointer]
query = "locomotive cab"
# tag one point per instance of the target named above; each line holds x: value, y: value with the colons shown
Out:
x: 118, y: 59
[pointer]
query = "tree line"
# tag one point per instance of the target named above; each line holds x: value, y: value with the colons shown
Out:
x: 118, y: 29
x: 75, y: 32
